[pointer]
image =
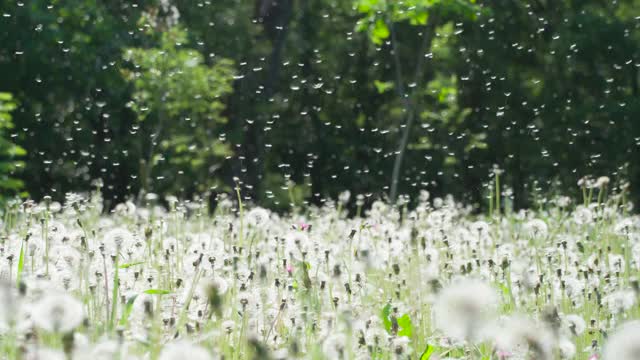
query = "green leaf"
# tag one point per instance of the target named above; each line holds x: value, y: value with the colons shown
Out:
x: 419, y: 18
x: 128, y: 265
x: 157, y: 292
x: 380, y: 32
x: 368, y: 6
x: 20, y: 264
x: 124, y: 319
x: 450, y: 160
x: 406, y: 328
x: 505, y: 290
x: 383, y: 86
x: 384, y: 314
x: 428, y: 351
x: 306, y: 279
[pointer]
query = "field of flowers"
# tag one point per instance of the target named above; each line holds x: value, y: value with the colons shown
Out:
x: 431, y: 281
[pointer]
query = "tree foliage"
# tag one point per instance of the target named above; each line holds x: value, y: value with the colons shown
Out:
x: 298, y: 100
x: 178, y: 102
x: 10, y: 153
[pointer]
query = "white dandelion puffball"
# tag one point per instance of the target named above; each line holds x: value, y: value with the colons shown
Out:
x: 567, y: 348
x: 296, y: 243
x: 624, y: 344
x: 576, y: 324
x: 522, y: 336
x: 258, y: 217
x: 536, y: 228
x: 344, y: 196
x: 49, y: 354
x: 103, y: 350
x: 8, y: 304
x: 183, y: 350
x: 58, y: 313
x: 620, y: 301
x: 464, y: 307
x: 118, y: 237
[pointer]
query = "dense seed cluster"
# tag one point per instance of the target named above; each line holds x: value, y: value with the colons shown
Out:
x: 432, y: 282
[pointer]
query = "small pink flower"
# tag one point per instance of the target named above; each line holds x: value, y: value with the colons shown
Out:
x: 289, y: 268
x: 303, y: 226
x: 594, y: 357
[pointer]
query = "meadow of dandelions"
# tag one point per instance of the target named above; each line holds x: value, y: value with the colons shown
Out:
x: 427, y: 281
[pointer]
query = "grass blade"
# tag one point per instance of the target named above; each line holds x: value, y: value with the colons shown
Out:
x: 20, y: 265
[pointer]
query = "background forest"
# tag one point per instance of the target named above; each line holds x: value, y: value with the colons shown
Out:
x: 298, y: 100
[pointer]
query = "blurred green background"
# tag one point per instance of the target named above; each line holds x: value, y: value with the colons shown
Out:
x: 298, y: 100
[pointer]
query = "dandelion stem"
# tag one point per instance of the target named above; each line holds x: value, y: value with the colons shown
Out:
x: 241, y: 211
x: 114, y: 297
x: 497, y: 192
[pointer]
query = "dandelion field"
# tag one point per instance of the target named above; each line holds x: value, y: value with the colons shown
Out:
x: 319, y: 179
x: 432, y: 281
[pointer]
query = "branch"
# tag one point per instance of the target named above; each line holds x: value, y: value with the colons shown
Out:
x: 408, y: 102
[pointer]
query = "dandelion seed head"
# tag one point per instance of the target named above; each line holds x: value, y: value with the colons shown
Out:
x: 624, y: 343
x: 344, y: 197
x: 8, y: 304
x: 58, y: 313
x: 334, y: 346
x: 464, y: 307
x: 566, y: 348
x: 575, y: 323
x: 602, y: 181
x: 258, y: 217
x: 536, y: 228
x: 36, y: 353
x: 524, y: 337
x: 117, y: 238
x: 620, y: 301
x: 583, y: 216
x: 228, y: 326
x: 181, y: 349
